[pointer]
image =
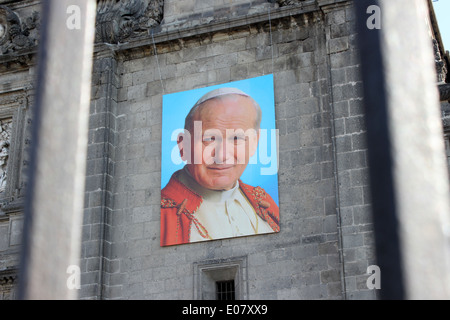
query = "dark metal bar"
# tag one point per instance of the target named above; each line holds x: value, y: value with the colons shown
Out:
x: 54, y: 204
x: 380, y: 157
x: 408, y: 176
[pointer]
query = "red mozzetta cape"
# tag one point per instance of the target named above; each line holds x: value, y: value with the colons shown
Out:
x: 179, y: 204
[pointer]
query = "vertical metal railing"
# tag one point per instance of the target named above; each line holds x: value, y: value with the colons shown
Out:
x: 406, y: 152
x: 408, y: 174
x: 54, y: 205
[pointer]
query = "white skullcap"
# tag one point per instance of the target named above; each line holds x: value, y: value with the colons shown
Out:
x: 219, y: 92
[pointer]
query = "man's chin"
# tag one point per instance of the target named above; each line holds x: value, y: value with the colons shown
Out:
x: 220, y: 185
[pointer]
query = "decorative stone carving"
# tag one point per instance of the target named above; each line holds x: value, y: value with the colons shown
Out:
x: 15, y: 35
x: 440, y: 65
x: 284, y: 3
x: 8, y: 283
x: 5, y: 138
x: 118, y: 20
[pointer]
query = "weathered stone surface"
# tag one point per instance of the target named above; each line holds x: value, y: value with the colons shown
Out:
x: 17, y: 32
x: 119, y: 20
x: 326, y: 239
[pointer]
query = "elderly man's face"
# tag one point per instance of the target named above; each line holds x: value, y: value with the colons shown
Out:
x: 228, y: 140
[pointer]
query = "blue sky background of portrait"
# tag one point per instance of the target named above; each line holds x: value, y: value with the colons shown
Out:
x: 442, y: 11
x: 177, y: 105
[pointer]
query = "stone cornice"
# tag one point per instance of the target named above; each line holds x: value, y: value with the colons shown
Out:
x: 163, y: 33
x: 125, y: 25
x: 8, y: 276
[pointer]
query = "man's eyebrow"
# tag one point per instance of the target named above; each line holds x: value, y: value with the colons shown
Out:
x: 237, y: 134
x: 211, y: 132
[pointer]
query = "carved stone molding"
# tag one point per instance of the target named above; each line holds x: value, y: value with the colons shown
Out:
x: 15, y: 138
x: 440, y: 64
x: 5, y: 142
x: 284, y: 3
x: 17, y: 33
x: 8, y: 283
x: 118, y: 20
x: 8, y: 276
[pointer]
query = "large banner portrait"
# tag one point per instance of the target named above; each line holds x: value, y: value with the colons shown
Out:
x: 219, y: 163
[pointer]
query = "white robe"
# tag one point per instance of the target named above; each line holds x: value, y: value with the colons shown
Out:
x: 224, y: 214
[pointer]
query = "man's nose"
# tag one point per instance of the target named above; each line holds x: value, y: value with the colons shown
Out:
x: 224, y: 153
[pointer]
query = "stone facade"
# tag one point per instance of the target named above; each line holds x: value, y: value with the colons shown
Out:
x: 148, y: 48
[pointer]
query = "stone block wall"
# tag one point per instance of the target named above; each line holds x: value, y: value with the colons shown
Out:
x: 352, y: 176
x: 326, y: 240
x: 16, y: 98
x: 325, y: 243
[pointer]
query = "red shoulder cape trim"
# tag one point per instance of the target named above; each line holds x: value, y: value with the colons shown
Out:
x: 179, y: 204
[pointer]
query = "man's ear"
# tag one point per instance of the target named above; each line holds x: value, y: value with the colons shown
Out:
x: 184, y: 144
x: 253, y: 143
x: 180, y: 139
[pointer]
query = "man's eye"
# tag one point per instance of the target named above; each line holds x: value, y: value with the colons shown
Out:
x: 239, y: 139
x: 209, y: 139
